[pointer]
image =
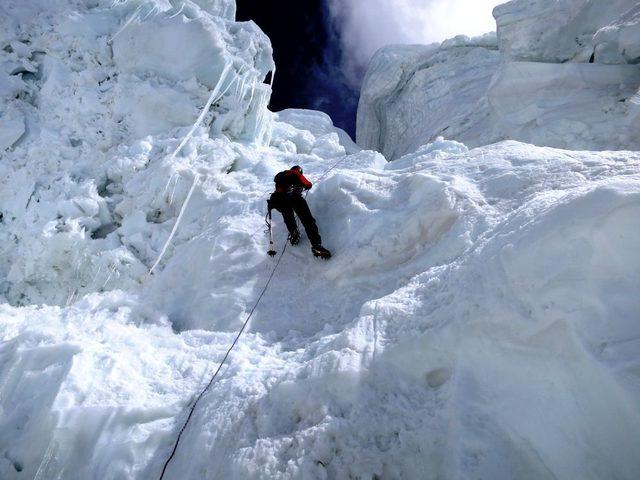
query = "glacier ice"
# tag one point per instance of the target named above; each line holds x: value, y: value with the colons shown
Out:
x: 555, y: 31
x: 577, y: 105
x: 617, y: 42
x: 564, y: 74
x: 394, y: 112
x: 478, y: 319
x: 105, y: 97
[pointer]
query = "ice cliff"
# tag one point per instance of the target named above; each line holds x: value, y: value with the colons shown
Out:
x: 479, y: 318
x: 86, y: 88
x: 560, y: 73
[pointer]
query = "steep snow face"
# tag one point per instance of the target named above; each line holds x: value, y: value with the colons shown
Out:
x: 479, y: 318
x: 527, y: 91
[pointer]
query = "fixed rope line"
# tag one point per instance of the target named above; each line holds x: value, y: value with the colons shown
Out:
x: 324, y: 174
x: 224, y: 359
x: 196, y: 179
x: 235, y: 341
x: 215, y: 95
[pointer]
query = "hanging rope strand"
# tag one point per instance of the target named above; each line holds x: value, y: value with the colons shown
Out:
x: 324, y: 174
x: 235, y: 341
x: 196, y: 179
x: 224, y: 359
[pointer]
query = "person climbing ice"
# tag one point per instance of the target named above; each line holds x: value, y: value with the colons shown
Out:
x: 288, y: 200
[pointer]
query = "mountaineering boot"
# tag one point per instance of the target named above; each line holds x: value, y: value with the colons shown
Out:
x: 320, y: 251
x: 294, y: 237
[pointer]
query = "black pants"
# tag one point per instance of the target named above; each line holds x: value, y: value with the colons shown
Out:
x: 287, y: 204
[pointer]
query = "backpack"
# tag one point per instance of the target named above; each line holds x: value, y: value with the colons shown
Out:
x: 282, y: 180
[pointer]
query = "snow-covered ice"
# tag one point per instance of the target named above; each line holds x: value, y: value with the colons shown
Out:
x: 560, y: 73
x: 558, y: 31
x: 414, y: 93
x: 479, y: 318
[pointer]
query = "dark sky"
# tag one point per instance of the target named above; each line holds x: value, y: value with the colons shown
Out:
x: 308, y: 57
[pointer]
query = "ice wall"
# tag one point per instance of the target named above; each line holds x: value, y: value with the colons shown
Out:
x: 558, y: 31
x: 394, y: 112
x: 98, y: 103
x: 524, y: 90
x: 573, y: 105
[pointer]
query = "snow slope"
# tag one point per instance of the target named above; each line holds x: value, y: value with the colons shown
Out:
x: 479, y: 318
x: 561, y: 73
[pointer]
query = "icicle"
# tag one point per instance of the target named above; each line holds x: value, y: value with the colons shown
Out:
x: 49, y: 456
x: 212, y: 97
x: 240, y: 87
x: 153, y: 11
x: 71, y: 297
x: 172, y: 178
x: 178, y: 12
x: 257, y: 128
x: 253, y: 91
x: 196, y: 179
x: 173, y: 190
x: 112, y: 269
x: 126, y: 24
x: 240, y: 81
x: 222, y: 94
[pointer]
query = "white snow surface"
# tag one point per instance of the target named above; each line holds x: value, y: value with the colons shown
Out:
x: 479, y: 318
x: 412, y: 92
x: 558, y: 31
x: 561, y: 73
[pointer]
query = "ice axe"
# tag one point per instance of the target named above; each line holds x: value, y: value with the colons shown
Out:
x: 272, y: 252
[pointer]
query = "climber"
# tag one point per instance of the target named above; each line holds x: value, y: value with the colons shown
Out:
x: 288, y: 199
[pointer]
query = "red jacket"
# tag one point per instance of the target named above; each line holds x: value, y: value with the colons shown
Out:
x: 289, y: 180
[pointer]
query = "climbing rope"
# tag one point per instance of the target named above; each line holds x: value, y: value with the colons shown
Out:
x: 235, y: 341
x: 196, y: 179
x: 224, y: 359
x: 326, y: 172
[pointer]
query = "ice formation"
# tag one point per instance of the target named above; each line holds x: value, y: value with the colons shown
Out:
x: 99, y: 104
x: 561, y: 73
x: 415, y: 91
x: 479, y: 318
